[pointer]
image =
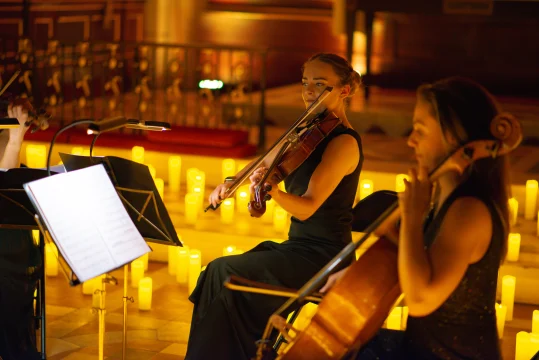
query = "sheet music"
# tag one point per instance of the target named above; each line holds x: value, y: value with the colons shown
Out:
x: 87, y: 221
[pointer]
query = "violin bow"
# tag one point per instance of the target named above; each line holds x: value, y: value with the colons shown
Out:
x: 10, y: 81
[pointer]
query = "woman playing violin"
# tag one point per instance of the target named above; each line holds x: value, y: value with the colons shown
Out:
x: 319, y: 196
x: 449, y: 254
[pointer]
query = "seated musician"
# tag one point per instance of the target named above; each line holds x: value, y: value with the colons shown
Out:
x: 319, y: 196
x: 449, y: 254
x: 19, y: 261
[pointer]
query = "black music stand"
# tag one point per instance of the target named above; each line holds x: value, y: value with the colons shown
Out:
x: 17, y: 212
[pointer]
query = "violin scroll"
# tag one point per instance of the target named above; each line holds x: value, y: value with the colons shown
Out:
x: 506, y: 128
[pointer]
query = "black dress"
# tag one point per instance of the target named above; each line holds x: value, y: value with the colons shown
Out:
x: 226, y: 324
x: 464, y: 326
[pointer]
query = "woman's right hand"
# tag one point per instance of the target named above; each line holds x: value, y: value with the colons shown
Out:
x: 332, y: 279
x: 218, y: 194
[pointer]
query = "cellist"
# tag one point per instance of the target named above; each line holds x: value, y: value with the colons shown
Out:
x: 450, y: 246
x: 319, y: 196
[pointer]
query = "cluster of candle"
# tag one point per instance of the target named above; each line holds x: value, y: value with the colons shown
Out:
x: 36, y: 156
x: 366, y: 186
x: 196, y: 182
x: 185, y: 264
x: 527, y: 343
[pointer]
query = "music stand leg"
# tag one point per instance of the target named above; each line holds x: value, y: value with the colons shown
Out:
x: 126, y: 299
x: 41, y: 289
x: 101, y: 313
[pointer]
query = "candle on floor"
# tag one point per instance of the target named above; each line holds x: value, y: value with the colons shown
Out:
x: 229, y: 250
x: 242, y: 199
x: 200, y: 193
x: 228, y: 168
x: 531, y: 199
x: 394, y: 319
x: 174, y: 170
x: 280, y: 218
x: 535, y: 322
x: 152, y: 170
x: 182, y: 265
x: 191, y: 175
x: 172, y: 259
x: 145, y: 294
x: 513, y: 211
x: 366, y: 187
x: 522, y: 347
x: 399, y: 182
x: 51, y: 259
x: 137, y: 272
x: 508, y: 295
x: 501, y: 314
x: 89, y: 285
x: 227, y: 211
x: 513, y: 249
x: 160, y: 185
x: 137, y: 154
x: 36, y: 156
x: 191, y: 208
x: 195, y: 264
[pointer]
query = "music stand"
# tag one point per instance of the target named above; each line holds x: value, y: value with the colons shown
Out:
x: 138, y: 192
x: 18, y: 213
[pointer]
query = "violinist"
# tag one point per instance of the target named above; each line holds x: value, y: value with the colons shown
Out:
x: 319, y: 196
x: 450, y: 246
x: 20, y: 263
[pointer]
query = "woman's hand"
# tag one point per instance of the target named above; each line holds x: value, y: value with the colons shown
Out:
x: 218, y: 194
x: 414, y: 201
x: 332, y: 279
x: 17, y: 134
x: 255, y: 178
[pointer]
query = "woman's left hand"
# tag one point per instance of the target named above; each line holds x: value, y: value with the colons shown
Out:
x: 255, y: 178
x: 17, y: 111
x: 414, y: 201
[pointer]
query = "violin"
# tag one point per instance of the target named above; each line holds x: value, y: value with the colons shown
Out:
x: 291, y: 150
x: 37, y: 119
x: 353, y: 310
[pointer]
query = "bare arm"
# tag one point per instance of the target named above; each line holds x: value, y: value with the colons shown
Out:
x: 11, y: 140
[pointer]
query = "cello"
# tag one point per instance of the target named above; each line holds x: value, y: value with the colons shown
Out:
x: 353, y: 310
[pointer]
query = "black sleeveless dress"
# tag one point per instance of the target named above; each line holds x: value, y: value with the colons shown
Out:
x: 464, y: 326
x: 226, y: 324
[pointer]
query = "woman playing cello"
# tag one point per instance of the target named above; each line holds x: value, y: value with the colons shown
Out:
x: 320, y: 195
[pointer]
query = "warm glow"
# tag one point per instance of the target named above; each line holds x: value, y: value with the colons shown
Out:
x: 513, y: 247
x: 51, y: 259
x: 137, y: 154
x: 137, y: 272
x: 531, y: 199
x: 174, y: 169
x: 36, y: 156
x: 228, y: 168
x: 145, y: 294
x: 501, y: 313
x: 508, y: 295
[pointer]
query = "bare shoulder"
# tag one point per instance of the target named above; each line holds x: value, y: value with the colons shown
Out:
x: 343, y: 143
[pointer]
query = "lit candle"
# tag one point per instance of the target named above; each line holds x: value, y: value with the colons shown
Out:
x: 160, y: 185
x: 522, y: 346
x: 145, y: 294
x: 513, y: 249
x: 394, y: 319
x: 89, y: 285
x: 228, y: 168
x: 399, y: 182
x: 77, y: 150
x: 137, y: 272
x: 174, y: 170
x: 365, y: 188
x: 535, y: 322
x: 242, y: 199
x: 152, y: 171
x: 227, y: 211
x: 229, y: 250
x: 182, y: 267
x: 137, y: 154
x: 191, y: 175
x: 531, y: 199
x: 280, y: 218
x: 508, y: 295
x: 51, y: 259
x: 268, y: 215
x: 501, y: 313
x: 195, y: 264
x: 144, y: 259
x: 200, y: 195
x: 172, y: 259
x: 191, y: 208
x: 36, y: 156
x: 513, y: 211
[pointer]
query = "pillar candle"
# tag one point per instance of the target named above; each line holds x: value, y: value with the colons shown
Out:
x: 501, y: 314
x: 145, y: 294
x: 228, y: 168
x: 89, y: 285
x: 172, y: 259
x: 280, y: 218
x: 229, y: 250
x: 522, y: 346
x: 144, y: 259
x: 36, y: 156
x: 513, y: 249
x: 51, y: 259
x: 152, y: 170
x: 160, y: 185
x: 531, y: 199
x: 365, y: 188
x: 174, y: 171
x: 200, y: 195
x: 399, y: 182
x: 535, y: 322
x: 508, y: 295
x: 242, y: 199
x: 137, y: 272
x: 227, y: 211
x: 195, y: 264
x: 394, y: 319
x: 182, y: 265
x: 513, y: 211
x: 137, y: 154
x: 191, y: 208
x: 191, y: 175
